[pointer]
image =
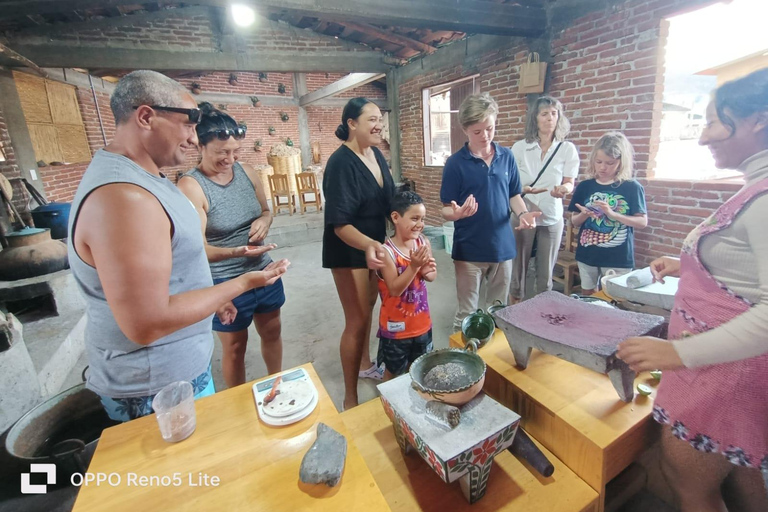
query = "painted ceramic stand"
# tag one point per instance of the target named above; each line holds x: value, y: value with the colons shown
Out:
x: 582, y: 333
x: 464, y: 453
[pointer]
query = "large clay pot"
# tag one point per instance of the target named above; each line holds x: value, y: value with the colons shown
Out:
x: 31, y: 252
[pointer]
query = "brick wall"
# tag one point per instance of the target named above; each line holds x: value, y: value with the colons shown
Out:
x: 607, y: 69
x: 60, y: 182
x: 498, y: 76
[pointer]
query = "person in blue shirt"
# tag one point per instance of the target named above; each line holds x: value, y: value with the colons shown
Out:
x: 480, y: 190
x: 607, y: 209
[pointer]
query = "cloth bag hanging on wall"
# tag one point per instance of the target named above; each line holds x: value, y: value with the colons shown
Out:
x: 533, y: 73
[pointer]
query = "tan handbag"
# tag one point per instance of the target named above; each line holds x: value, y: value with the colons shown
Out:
x: 533, y: 74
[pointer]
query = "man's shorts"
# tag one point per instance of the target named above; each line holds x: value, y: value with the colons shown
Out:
x: 398, y: 355
x: 257, y: 301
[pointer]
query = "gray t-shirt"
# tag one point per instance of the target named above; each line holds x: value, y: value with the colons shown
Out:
x: 120, y: 368
x: 232, y: 208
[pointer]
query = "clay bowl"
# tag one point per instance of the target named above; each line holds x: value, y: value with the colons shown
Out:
x: 463, y: 389
x: 478, y: 326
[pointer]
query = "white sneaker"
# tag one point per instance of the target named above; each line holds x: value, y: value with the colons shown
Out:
x: 374, y: 372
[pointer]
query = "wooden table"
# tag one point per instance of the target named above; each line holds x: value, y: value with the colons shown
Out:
x: 571, y: 410
x: 258, y: 465
x: 409, y: 484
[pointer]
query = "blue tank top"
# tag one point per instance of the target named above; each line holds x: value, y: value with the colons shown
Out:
x: 120, y: 368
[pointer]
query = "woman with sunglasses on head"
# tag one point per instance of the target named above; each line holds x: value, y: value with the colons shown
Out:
x: 235, y: 218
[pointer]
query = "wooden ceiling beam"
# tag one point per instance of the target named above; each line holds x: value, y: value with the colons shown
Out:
x: 388, y: 36
x: 470, y: 16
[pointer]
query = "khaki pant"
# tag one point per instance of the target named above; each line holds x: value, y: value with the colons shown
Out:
x: 469, y: 277
x: 547, y: 247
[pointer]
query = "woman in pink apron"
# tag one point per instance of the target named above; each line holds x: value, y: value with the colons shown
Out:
x: 713, y: 396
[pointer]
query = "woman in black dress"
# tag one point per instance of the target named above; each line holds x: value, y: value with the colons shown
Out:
x: 358, y: 188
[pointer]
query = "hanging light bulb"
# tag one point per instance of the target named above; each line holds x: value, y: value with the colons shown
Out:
x: 243, y: 15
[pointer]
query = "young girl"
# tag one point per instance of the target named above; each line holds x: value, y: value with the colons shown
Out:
x: 405, y: 326
x: 607, y: 208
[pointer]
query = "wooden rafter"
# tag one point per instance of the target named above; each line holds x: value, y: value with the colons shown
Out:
x: 14, y: 56
x: 390, y: 37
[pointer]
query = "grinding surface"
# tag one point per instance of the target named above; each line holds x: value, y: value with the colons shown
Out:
x: 447, y: 376
x: 561, y: 319
x: 481, y: 417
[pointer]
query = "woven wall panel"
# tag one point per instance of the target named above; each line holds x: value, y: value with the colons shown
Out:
x: 45, y: 140
x: 63, y: 103
x: 34, y: 98
x: 74, y: 144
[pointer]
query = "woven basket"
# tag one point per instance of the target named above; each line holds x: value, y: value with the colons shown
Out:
x: 264, y: 172
x: 290, y: 165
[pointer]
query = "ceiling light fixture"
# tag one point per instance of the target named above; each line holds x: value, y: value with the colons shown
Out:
x: 243, y: 15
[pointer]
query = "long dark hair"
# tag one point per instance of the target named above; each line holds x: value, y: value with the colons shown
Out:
x: 352, y: 110
x: 212, y: 121
x: 742, y: 97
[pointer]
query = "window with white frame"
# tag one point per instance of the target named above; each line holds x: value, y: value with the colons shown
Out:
x: 443, y: 135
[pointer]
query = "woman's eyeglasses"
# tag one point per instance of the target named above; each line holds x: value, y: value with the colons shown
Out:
x: 224, y: 134
x: 195, y: 114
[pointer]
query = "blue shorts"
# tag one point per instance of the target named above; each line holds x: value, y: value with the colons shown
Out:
x: 126, y: 409
x: 257, y: 301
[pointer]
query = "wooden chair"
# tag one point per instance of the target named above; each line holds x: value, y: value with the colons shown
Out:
x: 278, y: 186
x: 306, y: 183
x: 566, y: 259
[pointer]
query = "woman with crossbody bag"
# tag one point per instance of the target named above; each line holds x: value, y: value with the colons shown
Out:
x: 548, y: 166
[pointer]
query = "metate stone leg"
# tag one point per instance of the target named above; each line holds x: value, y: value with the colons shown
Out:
x: 623, y: 379
x: 475, y: 481
x: 405, y: 446
x: 522, y: 354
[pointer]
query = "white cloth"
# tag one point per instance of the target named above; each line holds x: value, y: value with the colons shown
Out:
x: 565, y: 164
x: 737, y: 257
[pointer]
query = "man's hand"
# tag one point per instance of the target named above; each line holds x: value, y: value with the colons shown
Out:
x: 227, y: 313
x: 268, y: 276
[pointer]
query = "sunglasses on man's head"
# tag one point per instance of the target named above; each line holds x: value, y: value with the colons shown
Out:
x: 225, y: 133
x: 195, y: 114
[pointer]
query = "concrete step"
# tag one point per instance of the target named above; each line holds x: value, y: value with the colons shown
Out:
x: 297, y: 229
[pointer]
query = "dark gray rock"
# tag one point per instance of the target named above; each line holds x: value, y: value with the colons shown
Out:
x: 324, y: 461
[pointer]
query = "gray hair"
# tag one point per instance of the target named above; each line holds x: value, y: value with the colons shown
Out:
x: 476, y: 108
x: 143, y: 87
x: 532, y: 127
